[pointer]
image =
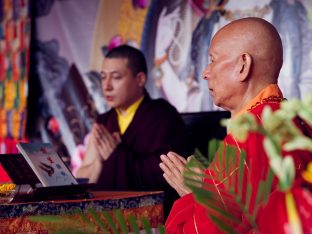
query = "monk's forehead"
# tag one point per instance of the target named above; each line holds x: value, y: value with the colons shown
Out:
x: 244, y: 34
x: 227, y: 39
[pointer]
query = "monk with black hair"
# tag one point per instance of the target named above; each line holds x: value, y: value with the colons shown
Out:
x: 126, y: 142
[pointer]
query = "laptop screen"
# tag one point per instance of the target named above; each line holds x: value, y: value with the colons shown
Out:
x: 46, y: 164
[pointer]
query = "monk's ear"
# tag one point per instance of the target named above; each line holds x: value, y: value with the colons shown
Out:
x: 141, y: 79
x: 244, y: 64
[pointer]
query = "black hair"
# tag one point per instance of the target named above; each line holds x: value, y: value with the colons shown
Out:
x: 136, y: 59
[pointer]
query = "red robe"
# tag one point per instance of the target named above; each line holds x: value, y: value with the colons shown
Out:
x: 188, y: 216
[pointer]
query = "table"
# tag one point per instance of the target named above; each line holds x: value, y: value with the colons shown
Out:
x: 14, y: 217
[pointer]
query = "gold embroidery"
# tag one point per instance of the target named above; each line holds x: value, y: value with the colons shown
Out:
x: 270, y: 99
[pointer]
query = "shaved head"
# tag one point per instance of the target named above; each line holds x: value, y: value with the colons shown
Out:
x: 246, y: 56
x: 258, y: 38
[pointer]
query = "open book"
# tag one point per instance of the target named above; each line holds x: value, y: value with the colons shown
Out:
x: 46, y: 164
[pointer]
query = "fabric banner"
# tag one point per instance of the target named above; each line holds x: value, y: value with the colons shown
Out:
x: 14, y: 66
x: 73, y: 35
x: 14, y: 69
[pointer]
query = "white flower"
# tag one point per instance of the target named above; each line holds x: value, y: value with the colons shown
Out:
x: 284, y: 169
x: 299, y: 143
x: 273, y: 151
x: 278, y: 125
x: 242, y: 125
x: 289, y: 109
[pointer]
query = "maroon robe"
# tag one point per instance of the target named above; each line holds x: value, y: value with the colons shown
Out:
x: 156, y: 129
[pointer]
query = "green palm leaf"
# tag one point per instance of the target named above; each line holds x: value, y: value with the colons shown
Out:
x: 97, y: 220
x: 161, y: 229
x: 121, y: 221
x: 64, y: 224
x: 147, y: 226
x: 134, y: 224
x: 111, y: 222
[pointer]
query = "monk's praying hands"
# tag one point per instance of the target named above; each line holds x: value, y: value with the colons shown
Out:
x: 106, y: 142
x: 173, y: 166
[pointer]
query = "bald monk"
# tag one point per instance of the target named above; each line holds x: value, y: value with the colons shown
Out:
x: 245, y: 60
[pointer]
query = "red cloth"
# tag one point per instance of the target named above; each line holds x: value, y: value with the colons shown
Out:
x: 188, y: 216
x: 280, y: 223
x: 4, y: 176
x: 5, y: 147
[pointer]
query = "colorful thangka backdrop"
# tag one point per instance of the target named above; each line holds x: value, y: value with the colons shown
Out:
x: 14, y: 69
x: 71, y: 37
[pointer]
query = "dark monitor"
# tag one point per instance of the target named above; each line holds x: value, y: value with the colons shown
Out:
x: 18, y: 169
x: 204, y: 126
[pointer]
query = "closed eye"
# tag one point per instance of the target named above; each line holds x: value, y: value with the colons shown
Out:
x: 103, y: 76
x: 116, y: 77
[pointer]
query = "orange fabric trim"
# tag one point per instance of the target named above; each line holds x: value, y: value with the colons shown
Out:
x: 271, y: 93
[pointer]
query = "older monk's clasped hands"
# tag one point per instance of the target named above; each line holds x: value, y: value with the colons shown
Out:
x: 173, y: 166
